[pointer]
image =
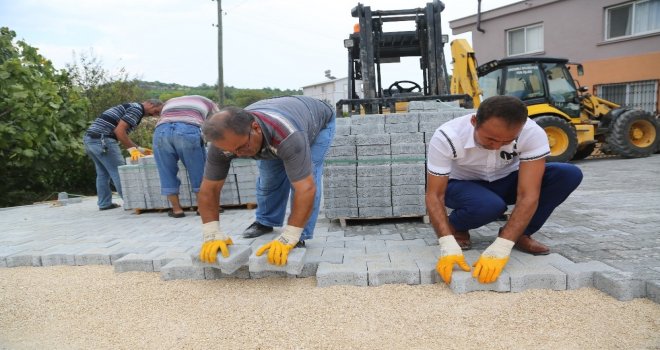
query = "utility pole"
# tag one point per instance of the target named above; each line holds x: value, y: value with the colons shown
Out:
x: 221, y: 84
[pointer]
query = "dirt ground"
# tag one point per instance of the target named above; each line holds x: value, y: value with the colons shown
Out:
x: 92, y: 307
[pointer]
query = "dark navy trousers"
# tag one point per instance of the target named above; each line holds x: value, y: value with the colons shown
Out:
x: 477, y: 203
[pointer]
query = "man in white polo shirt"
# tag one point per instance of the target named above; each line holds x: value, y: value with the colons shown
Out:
x: 480, y: 163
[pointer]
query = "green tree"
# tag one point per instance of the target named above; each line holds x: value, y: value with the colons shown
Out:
x: 42, y: 118
x: 104, y: 90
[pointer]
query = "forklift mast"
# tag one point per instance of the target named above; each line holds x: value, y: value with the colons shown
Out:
x: 370, y: 46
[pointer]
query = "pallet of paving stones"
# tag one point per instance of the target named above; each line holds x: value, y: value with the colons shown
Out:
x: 376, y: 166
x: 140, y: 184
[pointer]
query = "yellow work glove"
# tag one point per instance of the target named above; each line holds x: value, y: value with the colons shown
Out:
x: 214, y: 240
x: 145, y: 151
x: 279, y: 248
x: 450, y: 254
x: 491, y: 262
x: 135, y: 153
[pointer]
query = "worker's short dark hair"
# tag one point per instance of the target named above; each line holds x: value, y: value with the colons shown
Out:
x: 231, y: 118
x: 510, y: 109
x: 155, y: 102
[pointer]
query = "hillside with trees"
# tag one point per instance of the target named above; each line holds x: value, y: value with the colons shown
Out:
x: 45, y: 111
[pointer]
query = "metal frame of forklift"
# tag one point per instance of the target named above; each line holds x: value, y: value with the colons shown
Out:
x: 371, y: 47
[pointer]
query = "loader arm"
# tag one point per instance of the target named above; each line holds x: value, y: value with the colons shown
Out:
x: 464, y: 79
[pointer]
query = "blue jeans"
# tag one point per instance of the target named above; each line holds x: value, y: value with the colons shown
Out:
x: 477, y: 203
x: 273, y: 186
x: 178, y: 141
x: 107, y: 158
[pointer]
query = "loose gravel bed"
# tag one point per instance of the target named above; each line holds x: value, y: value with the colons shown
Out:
x: 91, y: 307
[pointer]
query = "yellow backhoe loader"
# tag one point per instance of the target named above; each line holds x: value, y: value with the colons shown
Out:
x: 574, y: 120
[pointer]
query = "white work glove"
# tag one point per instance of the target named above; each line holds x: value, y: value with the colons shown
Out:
x: 279, y: 248
x: 492, y: 261
x: 214, y: 240
x: 450, y: 254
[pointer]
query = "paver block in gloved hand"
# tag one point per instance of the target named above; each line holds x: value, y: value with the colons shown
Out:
x: 294, y: 263
x: 238, y: 257
x: 463, y: 282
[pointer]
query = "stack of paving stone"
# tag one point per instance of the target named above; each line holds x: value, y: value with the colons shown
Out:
x: 140, y: 183
x: 376, y: 167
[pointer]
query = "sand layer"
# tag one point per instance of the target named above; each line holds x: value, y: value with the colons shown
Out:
x: 92, y: 307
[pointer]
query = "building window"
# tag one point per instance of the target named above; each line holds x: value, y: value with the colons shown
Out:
x: 639, y: 94
x: 525, y: 40
x: 633, y: 18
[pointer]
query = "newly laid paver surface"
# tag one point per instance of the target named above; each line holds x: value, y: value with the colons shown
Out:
x: 607, y: 235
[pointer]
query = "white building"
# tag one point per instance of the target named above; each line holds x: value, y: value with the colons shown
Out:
x: 330, y: 91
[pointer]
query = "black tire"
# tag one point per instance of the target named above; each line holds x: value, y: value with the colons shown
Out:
x: 562, y: 137
x: 584, y: 152
x: 633, y: 134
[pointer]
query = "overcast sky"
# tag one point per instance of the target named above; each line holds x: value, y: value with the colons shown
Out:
x: 282, y: 44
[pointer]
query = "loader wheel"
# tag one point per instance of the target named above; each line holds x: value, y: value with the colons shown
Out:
x: 562, y: 137
x: 633, y: 134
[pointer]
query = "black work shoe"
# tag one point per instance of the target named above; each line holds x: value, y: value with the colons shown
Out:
x: 300, y: 244
x: 111, y: 206
x: 256, y: 230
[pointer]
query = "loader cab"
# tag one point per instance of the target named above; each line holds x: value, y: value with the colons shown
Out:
x: 533, y: 80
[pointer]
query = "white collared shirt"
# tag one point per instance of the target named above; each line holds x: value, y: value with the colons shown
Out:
x: 453, y: 151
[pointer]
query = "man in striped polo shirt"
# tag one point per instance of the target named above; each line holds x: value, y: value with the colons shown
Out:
x: 102, y: 140
x: 480, y: 163
x: 178, y: 136
x: 290, y: 137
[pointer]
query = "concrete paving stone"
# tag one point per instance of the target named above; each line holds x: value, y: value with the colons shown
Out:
x: 373, y: 150
x: 408, y: 148
x: 161, y: 259
x: 620, y: 285
x: 366, y: 129
x: 366, y: 258
x: 427, y: 272
x: 463, y: 282
x: 529, y: 259
x: 294, y: 264
x: 134, y: 262
x: 343, y: 120
x: 342, y: 274
x: 211, y: 273
x: 337, y: 213
x: 408, y: 190
x: 385, y: 237
x: 653, y: 290
x: 25, y: 258
x: 54, y: 258
x: 365, y: 192
x: 94, y: 256
x: 581, y: 275
x: 375, y: 181
x: 332, y: 255
x: 239, y: 256
x: 409, y: 179
x: 409, y: 200
x: 397, y: 118
x: 344, y: 140
x: 181, y: 269
x: 372, y: 139
x: 368, y: 119
x: 342, y: 130
x: 407, y: 137
x: 380, y: 273
x: 410, y: 243
x: 374, y: 212
x: 524, y: 276
x: 412, y: 127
